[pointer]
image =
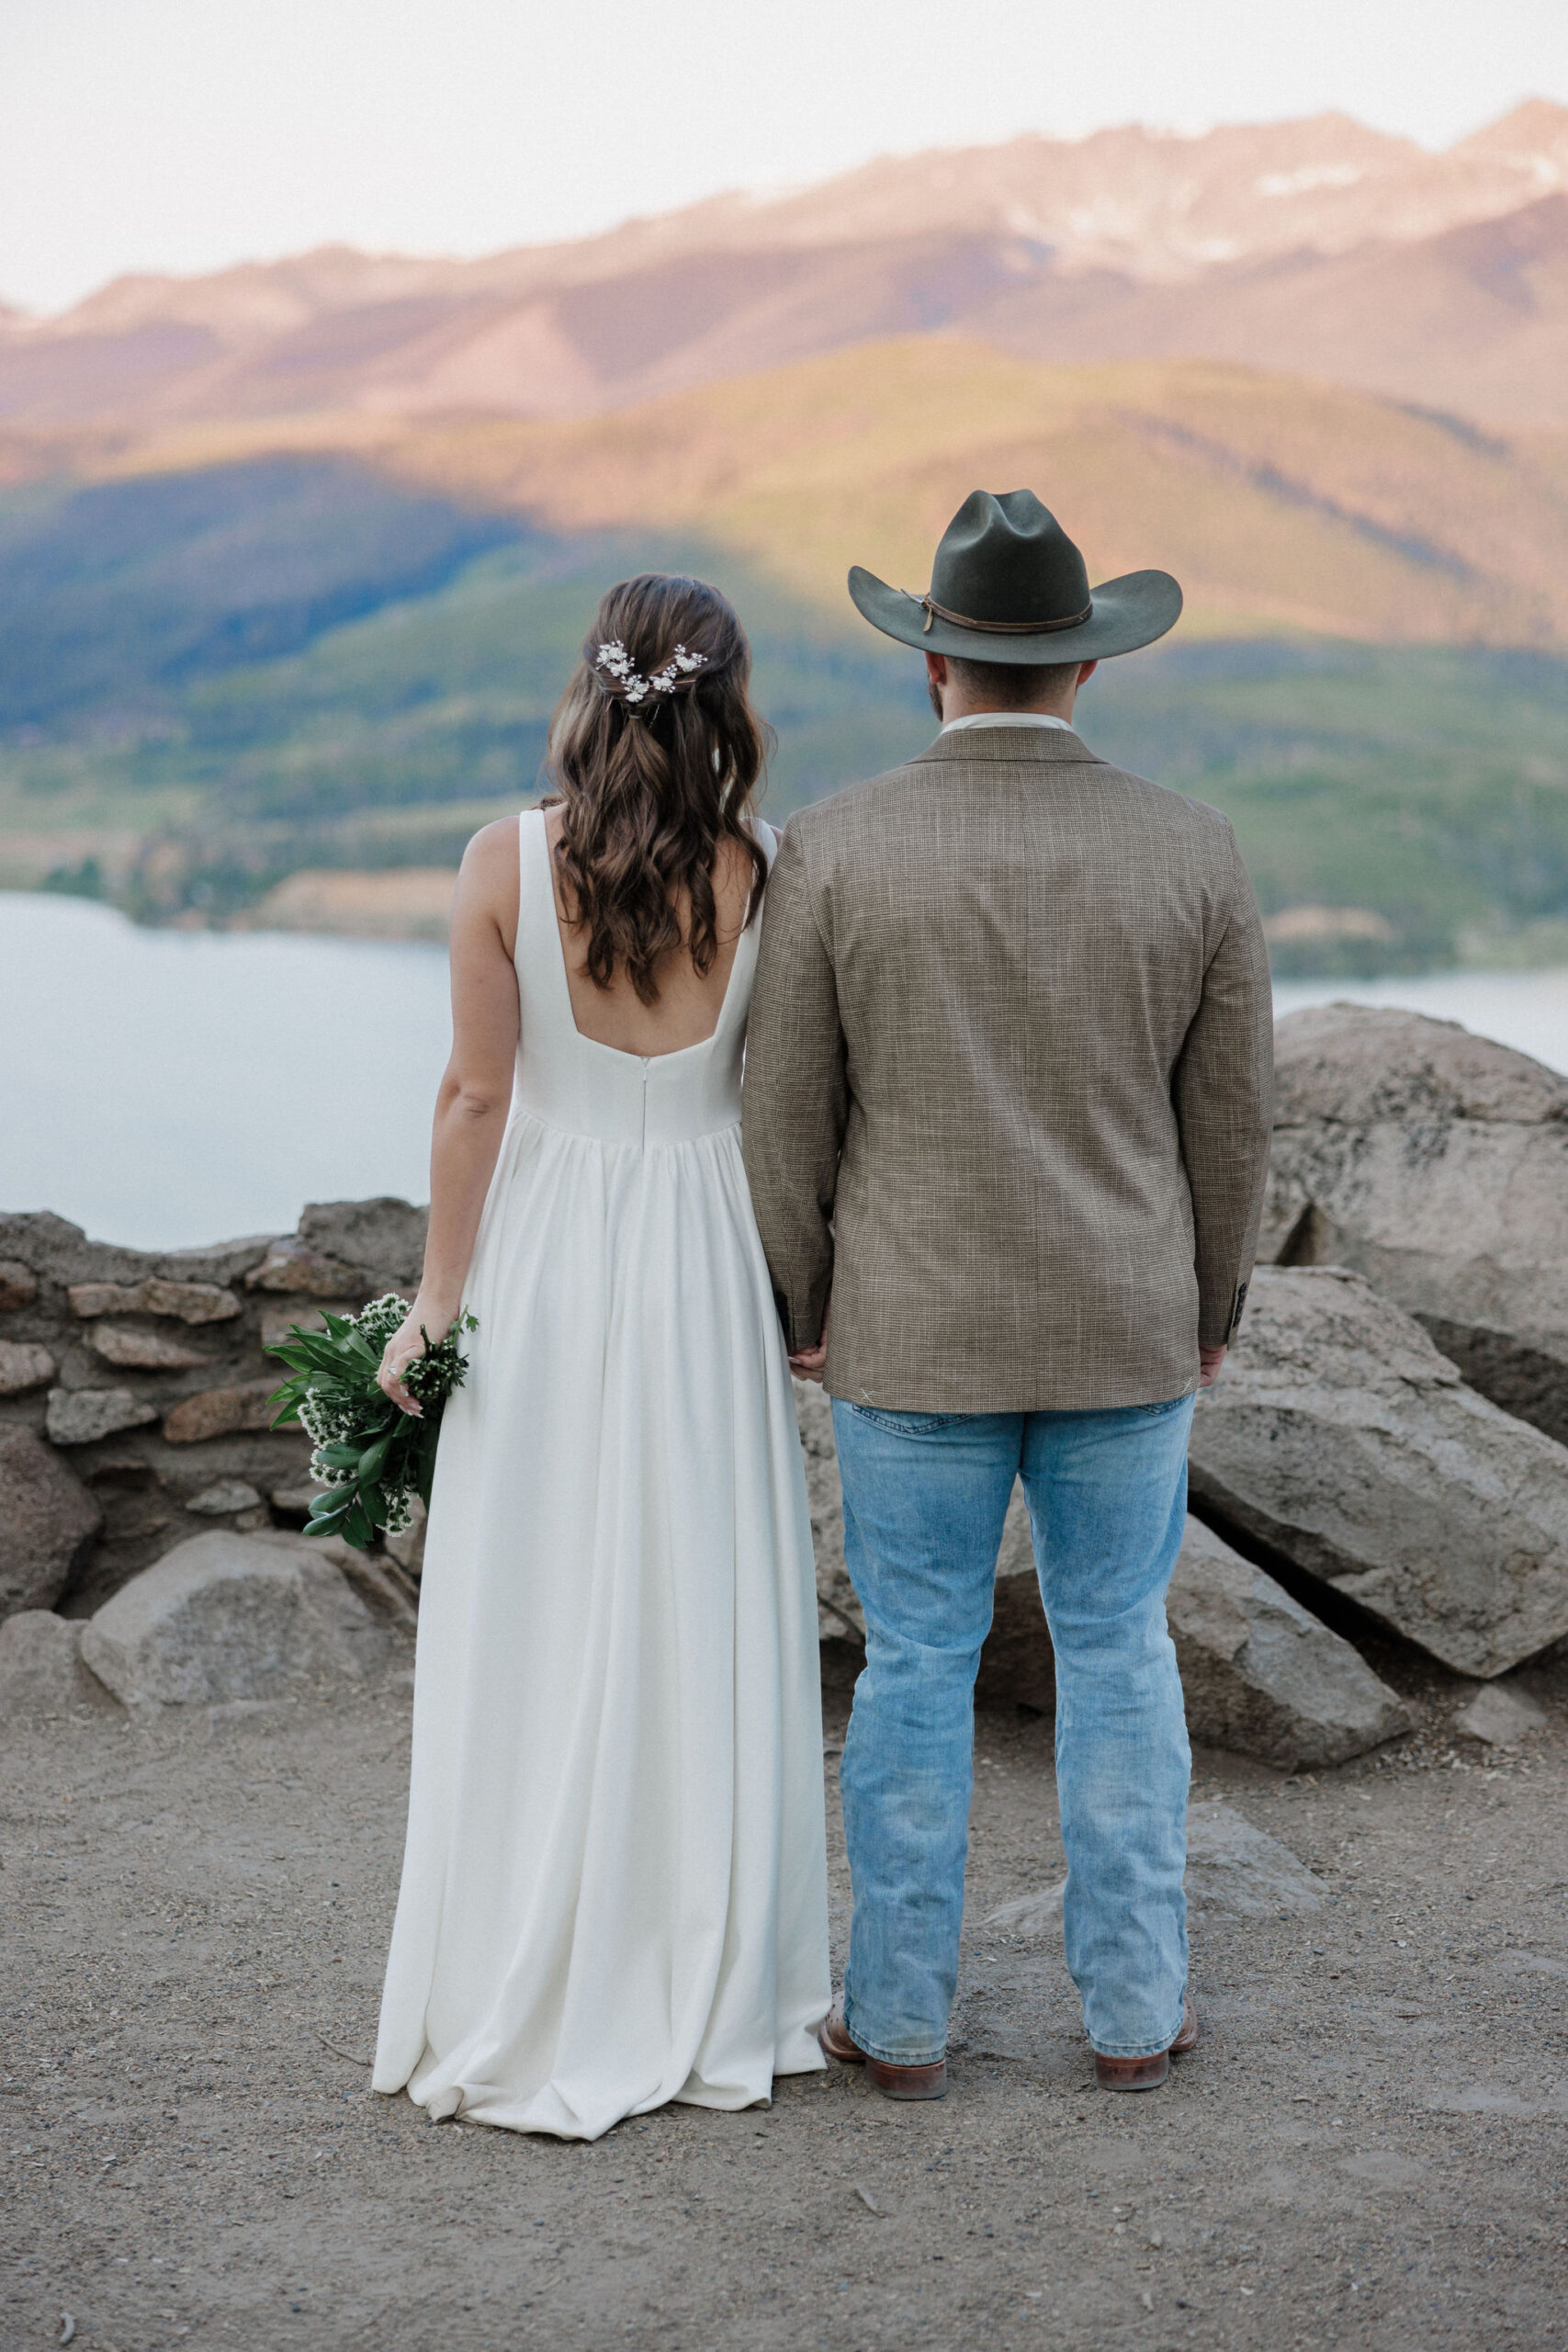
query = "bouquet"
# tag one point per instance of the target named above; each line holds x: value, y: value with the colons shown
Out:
x: 371, y: 1457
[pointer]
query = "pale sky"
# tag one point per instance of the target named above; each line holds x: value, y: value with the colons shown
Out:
x: 186, y: 134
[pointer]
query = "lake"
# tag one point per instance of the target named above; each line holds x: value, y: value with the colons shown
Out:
x: 165, y: 1089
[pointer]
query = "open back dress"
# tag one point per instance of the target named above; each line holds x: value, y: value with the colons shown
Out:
x: 614, y: 1889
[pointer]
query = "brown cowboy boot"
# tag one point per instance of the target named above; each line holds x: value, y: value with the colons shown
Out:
x: 1147, y: 2074
x: 893, y: 2082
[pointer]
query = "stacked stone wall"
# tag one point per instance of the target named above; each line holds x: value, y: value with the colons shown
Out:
x: 134, y: 1389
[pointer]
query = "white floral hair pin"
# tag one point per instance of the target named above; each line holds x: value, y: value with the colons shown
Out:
x: 618, y: 675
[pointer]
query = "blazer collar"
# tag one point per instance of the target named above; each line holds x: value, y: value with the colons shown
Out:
x: 1018, y: 746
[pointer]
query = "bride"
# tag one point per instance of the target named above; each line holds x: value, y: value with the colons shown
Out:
x: 614, y: 1889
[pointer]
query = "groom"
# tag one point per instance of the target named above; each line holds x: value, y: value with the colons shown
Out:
x: 1007, y: 1106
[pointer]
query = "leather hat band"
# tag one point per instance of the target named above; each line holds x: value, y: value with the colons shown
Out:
x: 935, y: 612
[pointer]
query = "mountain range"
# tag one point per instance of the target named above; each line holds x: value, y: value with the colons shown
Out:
x: 1317, y: 247
x: 294, y: 557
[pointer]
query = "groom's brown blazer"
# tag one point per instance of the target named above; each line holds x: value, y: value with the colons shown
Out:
x: 1007, y: 1084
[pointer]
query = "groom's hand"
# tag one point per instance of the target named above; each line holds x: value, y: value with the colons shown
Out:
x: 1209, y: 1362
x: 809, y: 1363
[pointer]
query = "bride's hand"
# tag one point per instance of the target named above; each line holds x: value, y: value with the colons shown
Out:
x: 809, y: 1363
x: 405, y: 1346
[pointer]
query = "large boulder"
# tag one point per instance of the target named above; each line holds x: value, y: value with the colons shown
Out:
x: 1262, y: 1677
x: 226, y: 1617
x: 1436, y: 1163
x: 1341, y: 1440
x: 48, y: 1521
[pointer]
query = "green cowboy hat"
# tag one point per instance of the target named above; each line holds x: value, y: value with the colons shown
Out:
x: 1009, y: 586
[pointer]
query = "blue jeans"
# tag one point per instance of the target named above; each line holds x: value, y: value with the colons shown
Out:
x: 925, y: 1495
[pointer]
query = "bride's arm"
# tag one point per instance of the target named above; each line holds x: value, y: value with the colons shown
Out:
x: 475, y: 1094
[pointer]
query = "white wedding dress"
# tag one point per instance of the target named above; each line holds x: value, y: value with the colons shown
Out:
x: 614, y: 1889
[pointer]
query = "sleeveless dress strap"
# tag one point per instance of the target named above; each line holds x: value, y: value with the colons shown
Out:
x: 536, y: 894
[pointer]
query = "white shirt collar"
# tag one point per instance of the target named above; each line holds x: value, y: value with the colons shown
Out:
x: 1008, y: 718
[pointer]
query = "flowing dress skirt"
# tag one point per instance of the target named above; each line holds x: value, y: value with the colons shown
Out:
x: 614, y: 1893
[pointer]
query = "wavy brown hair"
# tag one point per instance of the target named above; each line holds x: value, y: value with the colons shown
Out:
x: 651, y: 783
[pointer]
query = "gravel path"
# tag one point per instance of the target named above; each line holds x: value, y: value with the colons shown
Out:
x: 1367, y: 2149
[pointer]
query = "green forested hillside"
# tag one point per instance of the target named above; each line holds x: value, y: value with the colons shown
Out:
x: 209, y: 680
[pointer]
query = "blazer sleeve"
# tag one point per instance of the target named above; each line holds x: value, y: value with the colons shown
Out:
x: 1224, y: 1093
x: 794, y: 1097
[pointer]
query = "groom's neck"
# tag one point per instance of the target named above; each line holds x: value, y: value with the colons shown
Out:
x: 955, y: 704
x: 965, y: 689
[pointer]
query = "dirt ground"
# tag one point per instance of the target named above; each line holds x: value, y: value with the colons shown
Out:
x: 1368, y: 2147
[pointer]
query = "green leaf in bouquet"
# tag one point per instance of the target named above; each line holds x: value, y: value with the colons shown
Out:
x: 357, y: 1528
x: 329, y: 1524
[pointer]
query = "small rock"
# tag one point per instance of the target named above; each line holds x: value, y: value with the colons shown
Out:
x: 291, y: 1265
x: 383, y: 1239
x: 82, y: 1416
x: 224, y: 1617
x: 1229, y: 1865
x: 41, y: 1672
x: 1502, y: 1715
x: 1235, y: 1867
x: 218, y: 1412
x: 1340, y: 1437
x: 183, y: 1302
x: 294, y: 1502
x: 136, y: 1351
x: 228, y: 1495
x: 18, y: 1284
x: 1261, y: 1676
x: 23, y: 1366
x: 1031, y: 1914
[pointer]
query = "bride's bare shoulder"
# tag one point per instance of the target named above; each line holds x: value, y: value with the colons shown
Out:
x: 488, y: 878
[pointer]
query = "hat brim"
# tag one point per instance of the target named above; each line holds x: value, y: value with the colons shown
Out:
x: 1127, y: 613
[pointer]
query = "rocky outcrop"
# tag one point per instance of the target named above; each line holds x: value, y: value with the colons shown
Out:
x: 1260, y: 1675
x: 1340, y: 1438
x: 225, y: 1617
x: 143, y: 1378
x: 49, y: 1522
x: 1436, y: 1163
